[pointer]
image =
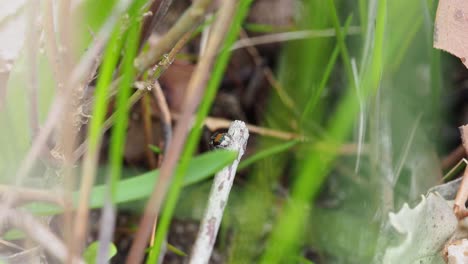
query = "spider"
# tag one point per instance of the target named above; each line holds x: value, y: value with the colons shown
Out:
x: 220, y: 140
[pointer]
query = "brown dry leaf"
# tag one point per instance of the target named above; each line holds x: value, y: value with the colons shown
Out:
x: 451, y: 28
x: 135, y: 145
x: 174, y: 82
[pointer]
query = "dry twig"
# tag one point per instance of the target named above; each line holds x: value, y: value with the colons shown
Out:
x: 145, y: 104
x: 238, y: 135
x: 38, y: 232
x: 462, y: 195
x: 289, y: 36
x: 284, y: 97
x: 166, y: 126
x: 453, y: 158
x: 33, y: 64
x: 186, y: 23
x: 159, y: 9
x: 166, y: 121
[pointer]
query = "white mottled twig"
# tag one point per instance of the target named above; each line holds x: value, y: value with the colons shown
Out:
x: 238, y: 135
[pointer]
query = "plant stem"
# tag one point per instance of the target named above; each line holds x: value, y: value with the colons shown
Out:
x: 219, y: 195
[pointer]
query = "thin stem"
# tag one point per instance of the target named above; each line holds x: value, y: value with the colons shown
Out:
x: 159, y: 10
x: 187, y: 21
x: 238, y: 135
x: 145, y: 105
x: 95, y: 135
x: 166, y: 119
x: 32, y: 57
x: 290, y: 36
x: 38, y: 232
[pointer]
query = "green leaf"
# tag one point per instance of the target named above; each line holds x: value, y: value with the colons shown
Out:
x: 262, y: 28
x: 155, y: 149
x: 176, y: 251
x: 13, y: 234
x: 171, y: 248
x: 140, y: 187
x: 91, y: 252
x: 267, y: 153
x: 119, y: 130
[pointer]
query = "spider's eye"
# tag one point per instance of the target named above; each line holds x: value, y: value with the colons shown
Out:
x: 219, y: 140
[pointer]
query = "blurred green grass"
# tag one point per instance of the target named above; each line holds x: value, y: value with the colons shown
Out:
x: 298, y: 199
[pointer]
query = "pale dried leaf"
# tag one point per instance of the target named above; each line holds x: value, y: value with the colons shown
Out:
x: 13, y: 21
x: 425, y: 228
x: 458, y: 252
x: 451, y: 28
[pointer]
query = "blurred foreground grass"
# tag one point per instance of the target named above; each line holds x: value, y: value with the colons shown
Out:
x: 379, y: 91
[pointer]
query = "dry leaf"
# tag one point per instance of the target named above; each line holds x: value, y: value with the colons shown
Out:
x: 457, y: 252
x: 451, y: 28
x: 424, y: 230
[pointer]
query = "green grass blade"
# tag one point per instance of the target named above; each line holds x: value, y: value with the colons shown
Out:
x: 139, y: 187
x: 193, y: 139
x: 92, y: 250
x: 100, y: 97
x: 286, y: 234
x: 119, y: 130
x: 266, y: 153
x: 313, y: 100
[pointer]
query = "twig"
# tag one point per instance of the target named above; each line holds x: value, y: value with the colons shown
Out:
x: 238, y: 135
x: 462, y: 194
x: 275, y: 84
x: 51, y: 44
x: 32, y: 62
x: 60, y: 51
x: 195, y: 90
x: 214, y: 123
x: 25, y: 195
x: 289, y: 36
x: 145, y: 104
x: 191, y: 17
x: 38, y: 232
x: 166, y: 128
x: 205, y: 34
x: 165, y: 114
x: 159, y: 10
x: 453, y: 157
x: 106, y: 230
x: 6, y: 243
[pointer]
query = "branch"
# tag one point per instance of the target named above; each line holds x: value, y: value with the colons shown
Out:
x: 237, y: 135
x: 38, y: 232
x: 165, y: 114
x: 32, y: 62
x: 159, y: 9
x: 187, y: 21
